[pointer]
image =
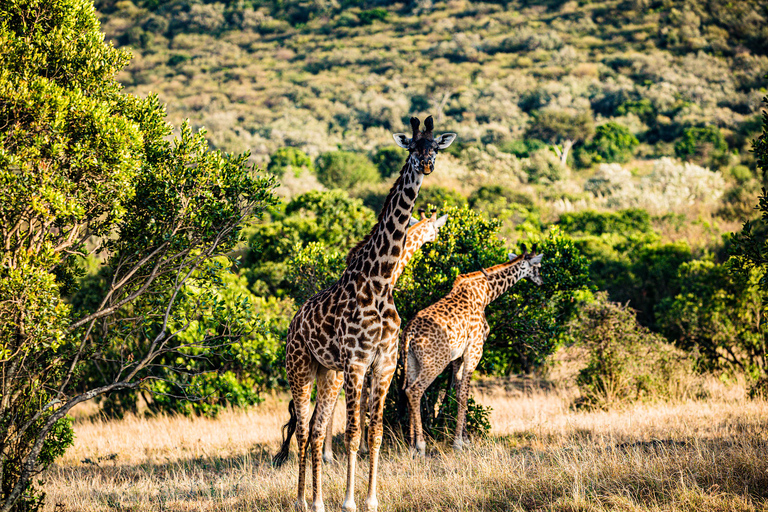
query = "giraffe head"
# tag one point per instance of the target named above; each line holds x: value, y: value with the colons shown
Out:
x: 432, y: 224
x: 423, y: 146
x: 530, y: 264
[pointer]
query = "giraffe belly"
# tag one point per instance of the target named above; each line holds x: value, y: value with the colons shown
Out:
x: 457, y: 352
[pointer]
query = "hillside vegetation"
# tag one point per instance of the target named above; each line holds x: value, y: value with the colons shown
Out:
x: 325, y: 75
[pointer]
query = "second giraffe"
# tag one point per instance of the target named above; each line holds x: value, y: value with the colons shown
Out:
x: 454, y: 329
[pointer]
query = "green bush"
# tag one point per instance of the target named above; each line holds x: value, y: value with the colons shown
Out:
x: 289, y: 159
x: 718, y: 313
x: 389, y: 160
x: 544, y: 167
x: 375, y: 14
x: 330, y: 218
x: 439, y: 197
x: 625, y: 362
x: 704, y: 145
x: 522, y: 148
x: 612, y: 143
x: 345, y: 169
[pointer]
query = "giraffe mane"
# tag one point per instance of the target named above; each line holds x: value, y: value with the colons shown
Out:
x: 353, y: 252
x: 490, y: 270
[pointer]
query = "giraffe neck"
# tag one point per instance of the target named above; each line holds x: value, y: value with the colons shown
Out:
x: 386, y: 244
x: 414, y: 239
x: 501, y: 277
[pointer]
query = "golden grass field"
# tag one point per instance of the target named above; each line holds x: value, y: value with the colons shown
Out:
x: 542, y: 455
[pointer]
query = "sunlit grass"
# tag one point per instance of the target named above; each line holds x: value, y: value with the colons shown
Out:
x: 542, y: 455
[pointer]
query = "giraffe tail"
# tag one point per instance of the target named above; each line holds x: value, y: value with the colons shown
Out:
x: 288, y: 430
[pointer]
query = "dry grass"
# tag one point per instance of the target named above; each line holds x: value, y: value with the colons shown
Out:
x: 703, y: 455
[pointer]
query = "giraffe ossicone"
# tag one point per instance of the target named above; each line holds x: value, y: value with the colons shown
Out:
x: 351, y: 327
x: 453, y: 330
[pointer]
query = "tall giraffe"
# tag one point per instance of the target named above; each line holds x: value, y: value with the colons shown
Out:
x: 353, y: 325
x: 454, y: 329
x: 420, y: 232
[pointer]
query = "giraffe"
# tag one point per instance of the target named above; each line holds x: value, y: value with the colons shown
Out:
x: 420, y: 232
x: 353, y: 325
x: 454, y: 329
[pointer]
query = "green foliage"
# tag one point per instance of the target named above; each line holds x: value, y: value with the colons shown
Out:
x: 718, y: 314
x: 612, y: 143
x: 87, y: 170
x: 554, y: 126
x: 704, y: 145
x: 289, y: 159
x: 627, y: 259
x: 331, y: 219
x: 312, y: 269
x: 543, y: 167
x: 345, y: 169
x: 603, y: 223
x: 389, y: 160
x: 625, y: 361
x: 522, y: 148
x: 375, y: 14
x: 439, y: 197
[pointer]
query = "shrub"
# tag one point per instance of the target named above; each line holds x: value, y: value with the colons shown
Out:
x: 375, y: 14
x: 289, y: 159
x: 612, y: 143
x: 704, y: 145
x: 389, y: 160
x: 522, y: 148
x: 625, y: 361
x: 544, y: 167
x: 345, y: 169
x: 439, y: 197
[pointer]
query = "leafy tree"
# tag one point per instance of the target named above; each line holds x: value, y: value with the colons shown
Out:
x: 560, y: 127
x: 87, y: 170
x: 719, y: 314
x: 439, y: 197
x: 522, y: 148
x: 289, y: 159
x: 331, y: 219
x: 704, y: 145
x: 612, y: 143
x: 389, y: 160
x: 345, y: 169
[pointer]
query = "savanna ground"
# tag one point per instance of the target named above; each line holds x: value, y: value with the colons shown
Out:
x: 706, y: 454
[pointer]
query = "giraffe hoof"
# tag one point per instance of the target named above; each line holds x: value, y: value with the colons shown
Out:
x: 458, y: 445
x: 328, y: 457
x: 318, y: 507
x: 300, y: 506
x: 371, y: 505
x: 349, y: 506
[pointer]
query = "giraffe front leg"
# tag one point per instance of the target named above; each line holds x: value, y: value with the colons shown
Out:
x: 328, y: 384
x: 380, y: 381
x: 353, y: 385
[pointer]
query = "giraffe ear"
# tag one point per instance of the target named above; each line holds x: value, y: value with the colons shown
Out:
x: 413, y: 221
x: 441, y: 221
x: 445, y: 140
x: 512, y: 256
x: 402, y: 140
x: 536, y: 259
